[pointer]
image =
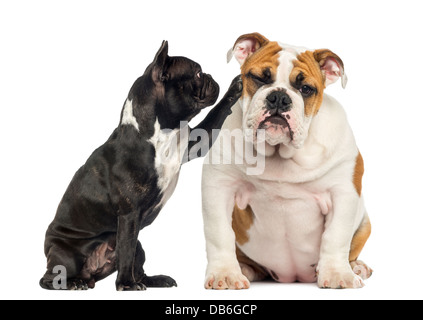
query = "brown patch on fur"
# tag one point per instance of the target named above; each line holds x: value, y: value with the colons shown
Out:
x: 358, y: 173
x: 241, y: 222
x: 260, y: 272
x: 360, y: 238
x: 309, y: 67
x: 265, y: 58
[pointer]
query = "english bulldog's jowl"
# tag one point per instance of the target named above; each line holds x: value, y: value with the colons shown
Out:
x: 303, y: 218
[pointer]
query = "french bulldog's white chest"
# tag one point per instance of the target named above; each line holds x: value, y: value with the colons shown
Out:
x: 169, y: 150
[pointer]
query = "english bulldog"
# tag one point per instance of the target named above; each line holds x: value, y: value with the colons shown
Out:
x: 303, y: 217
x: 125, y: 182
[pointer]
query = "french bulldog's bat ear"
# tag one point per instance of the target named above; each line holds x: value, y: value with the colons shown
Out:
x: 245, y: 46
x: 161, y: 55
x: 159, y: 61
x: 332, y: 66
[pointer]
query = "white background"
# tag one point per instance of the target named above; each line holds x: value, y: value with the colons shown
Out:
x: 67, y: 66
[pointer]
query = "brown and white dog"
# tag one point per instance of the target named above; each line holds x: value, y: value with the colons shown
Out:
x: 303, y: 217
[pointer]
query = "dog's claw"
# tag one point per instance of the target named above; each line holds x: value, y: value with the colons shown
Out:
x: 131, y: 287
x: 77, y: 284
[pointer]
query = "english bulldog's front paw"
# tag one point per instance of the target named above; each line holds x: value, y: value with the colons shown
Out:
x: 338, y: 278
x: 226, y: 279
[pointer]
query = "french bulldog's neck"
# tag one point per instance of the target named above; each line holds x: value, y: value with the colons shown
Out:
x: 140, y: 117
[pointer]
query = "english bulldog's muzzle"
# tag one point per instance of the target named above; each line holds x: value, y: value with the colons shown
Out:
x: 278, y: 105
x: 278, y: 102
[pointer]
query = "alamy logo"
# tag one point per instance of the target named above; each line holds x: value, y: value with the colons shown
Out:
x: 229, y: 147
x: 59, y: 282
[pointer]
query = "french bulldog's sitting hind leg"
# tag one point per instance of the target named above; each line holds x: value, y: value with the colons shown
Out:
x: 125, y: 182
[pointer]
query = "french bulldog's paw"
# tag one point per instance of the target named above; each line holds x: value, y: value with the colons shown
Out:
x: 76, y: 284
x: 361, y: 269
x: 338, y: 278
x: 130, y: 286
x: 235, y: 89
x: 226, y: 279
x: 158, y: 282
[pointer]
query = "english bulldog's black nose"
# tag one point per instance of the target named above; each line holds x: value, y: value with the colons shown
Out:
x: 279, y: 101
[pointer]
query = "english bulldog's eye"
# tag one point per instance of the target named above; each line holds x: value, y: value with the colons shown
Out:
x: 307, y: 91
x: 260, y: 81
x: 199, y: 73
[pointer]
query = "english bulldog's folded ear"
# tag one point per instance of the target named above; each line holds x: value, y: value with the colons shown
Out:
x: 332, y: 66
x: 245, y: 46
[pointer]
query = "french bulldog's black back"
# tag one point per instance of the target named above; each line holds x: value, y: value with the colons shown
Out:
x: 120, y: 189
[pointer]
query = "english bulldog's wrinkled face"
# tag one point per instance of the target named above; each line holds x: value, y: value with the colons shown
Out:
x: 283, y: 87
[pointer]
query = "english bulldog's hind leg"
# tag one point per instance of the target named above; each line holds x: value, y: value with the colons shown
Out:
x: 249, y: 268
x: 241, y: 222
x: 361, y: 269
x: 357, y: 244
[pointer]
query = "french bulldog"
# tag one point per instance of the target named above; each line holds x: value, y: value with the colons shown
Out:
x: 125, y: 182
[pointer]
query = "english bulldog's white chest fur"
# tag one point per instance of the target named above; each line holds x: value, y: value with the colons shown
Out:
x: 292, y: 227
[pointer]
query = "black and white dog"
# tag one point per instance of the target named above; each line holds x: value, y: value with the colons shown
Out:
x: 125, y: 182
